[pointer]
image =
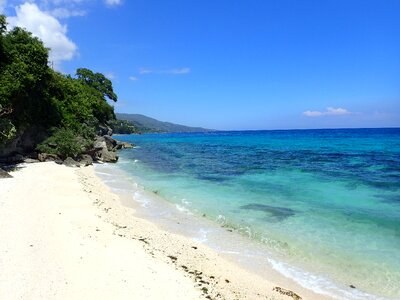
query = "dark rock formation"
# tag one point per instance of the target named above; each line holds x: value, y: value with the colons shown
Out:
x: 4, y: 174
x: 104, y: 130
x: 25, y: 141
x: 103, y: 150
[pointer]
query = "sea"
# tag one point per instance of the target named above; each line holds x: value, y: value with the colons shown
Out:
x: 322, y: 205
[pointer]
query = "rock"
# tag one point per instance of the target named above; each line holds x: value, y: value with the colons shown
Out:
x: 110, y: 142
x: 30, y: 160
x: 104, y: 130
x: 99, y: 143
x: 47, y: 157
x: 104, y: 155
x: 107, y: 156
x: 4, y: 174
x: 123, y: 145
x: 86, y: 160
x: 70, y: 162
x: 25, y: 141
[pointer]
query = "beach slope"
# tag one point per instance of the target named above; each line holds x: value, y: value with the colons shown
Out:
x: 54, y: 245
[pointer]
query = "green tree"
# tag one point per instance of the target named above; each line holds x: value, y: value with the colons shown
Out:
x: 31, y: 93
x: 97, y: 81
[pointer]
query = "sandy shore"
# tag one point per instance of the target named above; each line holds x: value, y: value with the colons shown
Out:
x: 64, y: 235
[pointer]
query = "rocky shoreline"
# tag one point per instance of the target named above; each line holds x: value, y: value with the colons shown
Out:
x: 104, y: 149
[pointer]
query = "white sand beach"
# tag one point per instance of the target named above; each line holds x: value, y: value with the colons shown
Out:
x: 64, y: 235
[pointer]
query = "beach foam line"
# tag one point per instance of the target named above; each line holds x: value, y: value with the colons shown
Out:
x: 320, y: 284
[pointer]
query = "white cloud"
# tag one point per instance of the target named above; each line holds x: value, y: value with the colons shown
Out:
x: 133, y: 78
x: 330, y: 111
x: 178, y: 71
x: 47, y: 28
x: 113, y: 2
x: 64, y: 13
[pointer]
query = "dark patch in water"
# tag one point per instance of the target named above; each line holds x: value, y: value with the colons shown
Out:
x: 276, y: 211
x: 389, y: 198
x: 211, y: 178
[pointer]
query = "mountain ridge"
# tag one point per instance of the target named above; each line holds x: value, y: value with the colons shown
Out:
x: 149, y: 124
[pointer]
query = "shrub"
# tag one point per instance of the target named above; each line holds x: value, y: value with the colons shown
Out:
x: 63, y: 142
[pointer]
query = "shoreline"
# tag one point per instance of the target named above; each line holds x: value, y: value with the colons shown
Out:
x: 230, y: 245
x: 66, y: 208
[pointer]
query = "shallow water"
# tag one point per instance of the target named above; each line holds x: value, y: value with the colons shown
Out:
x: 326, y: 202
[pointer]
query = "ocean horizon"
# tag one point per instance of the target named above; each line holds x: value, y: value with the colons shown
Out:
x: 324, y: 204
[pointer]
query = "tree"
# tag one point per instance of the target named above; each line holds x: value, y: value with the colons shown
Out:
x: 32, y: 94
x: 97, y: 81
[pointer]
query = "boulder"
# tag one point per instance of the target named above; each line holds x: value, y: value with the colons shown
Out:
x: 110, y: 142
x: 123, y: 145
x: 104, y: 130
x: 99, y: 143
x: 4, y: 174
x: 86, y: 160
x: 24, y: 142
x: 108, y: 156
x: 70, y: 162
x: 30, y: 160
x: 104, y: 155
x: 47, y: 157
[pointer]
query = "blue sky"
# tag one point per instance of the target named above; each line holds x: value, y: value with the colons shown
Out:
x: 227, y: 64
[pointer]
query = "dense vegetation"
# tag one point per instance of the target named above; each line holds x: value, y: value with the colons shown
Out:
x: 68, y: 109
x: 125, y: 127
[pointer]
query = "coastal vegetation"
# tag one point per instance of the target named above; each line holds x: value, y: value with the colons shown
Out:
x: 43, y: 110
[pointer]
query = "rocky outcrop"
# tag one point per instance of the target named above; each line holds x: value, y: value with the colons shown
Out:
x: 70, y: 162
x: 85, y: 160
x: 123, y: 145
x: 4, y: 174
x: 103, y: 150
x: 25, y: 141
x: 104, y: 130
x: 42, y: 157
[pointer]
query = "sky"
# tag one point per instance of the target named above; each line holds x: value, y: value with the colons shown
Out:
x: 232, y: 64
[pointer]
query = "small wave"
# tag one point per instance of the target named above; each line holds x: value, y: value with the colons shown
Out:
x: 144, y: 202
x: 320, y: 284
x: 185, y: 202
x: 103, y: 173
x: 183, y: 209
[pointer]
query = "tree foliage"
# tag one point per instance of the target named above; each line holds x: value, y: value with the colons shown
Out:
x: 31, y: 93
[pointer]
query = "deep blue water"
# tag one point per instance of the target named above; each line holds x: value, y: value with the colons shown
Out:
x: 327, y: 201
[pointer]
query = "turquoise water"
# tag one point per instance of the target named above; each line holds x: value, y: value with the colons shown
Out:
x: 325, y: 201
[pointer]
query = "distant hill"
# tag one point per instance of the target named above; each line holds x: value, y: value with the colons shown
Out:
x: 147, y: 124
